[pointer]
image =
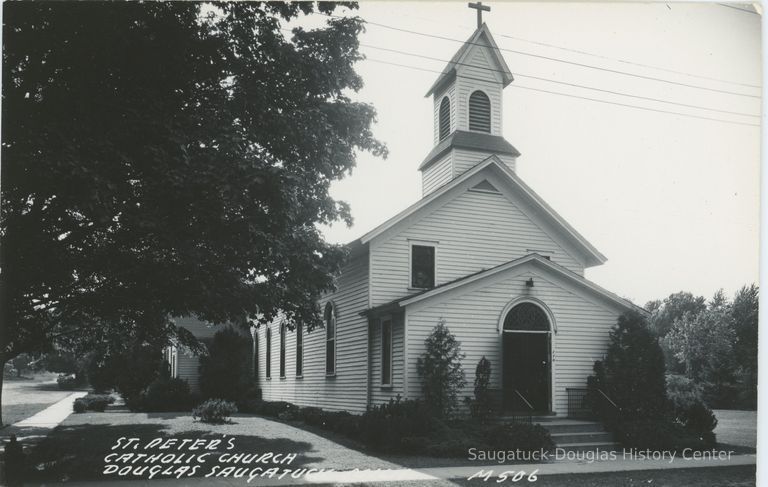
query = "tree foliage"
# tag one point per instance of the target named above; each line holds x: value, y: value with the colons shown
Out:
x: 633, y: 372
x: 665, y: 312
x: 225, y: 372
x: 440, y: 371
x: 170, y: 158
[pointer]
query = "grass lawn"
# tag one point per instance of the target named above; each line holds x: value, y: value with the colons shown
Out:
x: 738, y: 428
x: 27, y: 397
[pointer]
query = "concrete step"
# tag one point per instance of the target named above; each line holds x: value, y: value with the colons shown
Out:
x: 573, y: 426
x: 587, y: 437
x: 590, y: 446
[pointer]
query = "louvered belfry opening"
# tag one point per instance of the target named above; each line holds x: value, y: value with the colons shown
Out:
x: 445, y: 118
x: 479, y: 112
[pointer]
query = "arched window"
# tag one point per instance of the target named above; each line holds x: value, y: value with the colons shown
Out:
x: 268, y: 367
x: 299, y: 350
x: 282, y: 351
x: 526, y: 317
x: 479, y: 112
x: 330, y: 338
x: 444, y: 119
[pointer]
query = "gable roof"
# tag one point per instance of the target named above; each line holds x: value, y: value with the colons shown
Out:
x: 460, y: 58
x: 493, y: 163
x: 461, y: 139
x: 533, y: 258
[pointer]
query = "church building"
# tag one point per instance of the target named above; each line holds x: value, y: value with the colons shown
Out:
x: 480, y: 251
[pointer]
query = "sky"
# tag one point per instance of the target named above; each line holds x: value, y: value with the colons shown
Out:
x: 672, y: 201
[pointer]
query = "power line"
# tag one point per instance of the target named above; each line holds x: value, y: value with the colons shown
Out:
x: 626, y: 105
x: 576, y: 85
x: 609, y: 58
x: 549, y: 58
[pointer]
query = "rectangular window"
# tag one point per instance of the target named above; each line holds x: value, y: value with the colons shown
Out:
x: 422, y: 266
x: 282, y: 351
x: 269, y: 353
x: 299, y: 350
x: 386, y: 352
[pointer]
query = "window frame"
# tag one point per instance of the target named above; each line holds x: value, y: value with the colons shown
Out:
x: 299, y: 350
x: 387, y: 319
x: 469, y: 112
x: 327, y: 318
x: 422, y: 243
x: 268, y: 368
x: 282, y: 351
x: 440, y: 135
x: 256, y: 356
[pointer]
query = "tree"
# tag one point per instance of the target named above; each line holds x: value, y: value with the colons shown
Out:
x: 633, y: 372
x: 440, y: 371
x: 225, y: 372
x: 745, y: 320
x: 482, y: 406
x: 664, y: 313
x: 704, y: 343
x: 164, y: 159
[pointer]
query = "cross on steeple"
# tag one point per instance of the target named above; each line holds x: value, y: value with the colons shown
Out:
x: 479, y: 7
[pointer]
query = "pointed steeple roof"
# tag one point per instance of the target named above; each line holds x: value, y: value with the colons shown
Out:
x: 460, y: 58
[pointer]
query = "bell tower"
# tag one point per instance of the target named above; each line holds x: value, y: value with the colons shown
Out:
x: 467, y: 99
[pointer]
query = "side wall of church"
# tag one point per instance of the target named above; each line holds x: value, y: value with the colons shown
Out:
x: 381, y: 393
x: 347, y: 389
x: 473, y: 315
x: 473, y: 230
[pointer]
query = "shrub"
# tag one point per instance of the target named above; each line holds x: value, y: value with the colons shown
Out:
x: 312, y: 416
x: 167, y: 394
x: 129, y: 370
x: 657, y: 434
x: 482, y: 407
x: 92, y: 402
x: 697, y: 418
x: 225, y: 372
x: 632, y: 374
x: 385, y: 426
x: 440, y: 370
x: 79, y: 406
x: 682, y: 391
x: 216, y: 411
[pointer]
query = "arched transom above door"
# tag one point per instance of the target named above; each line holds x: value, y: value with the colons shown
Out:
x: 527, y: 317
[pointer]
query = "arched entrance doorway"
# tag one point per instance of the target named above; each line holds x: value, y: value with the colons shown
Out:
x: 527, y: 359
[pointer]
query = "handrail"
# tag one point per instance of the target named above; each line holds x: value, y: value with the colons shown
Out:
x: 524, y: 400
x: 608, y: 399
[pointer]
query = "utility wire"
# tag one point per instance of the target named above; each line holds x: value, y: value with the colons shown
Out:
x: 576, y: 85
x: 609, y: 58
x: 573, y: 96
x: 549, y: 58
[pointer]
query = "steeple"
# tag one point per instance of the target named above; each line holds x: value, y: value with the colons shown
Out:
x: 468, y: 104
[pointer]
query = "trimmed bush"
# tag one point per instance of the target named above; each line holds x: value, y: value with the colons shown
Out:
x: 79, y: 406
x: 440, y: 370
x: 226, y: 371
x: 385, y: 426
x: 481, y: 408
x: 312, y: 416
x: 92, y: 402
x: 167, y: 394
x: 697, y: 418
x: 661, y: 435
x: 214, y: 411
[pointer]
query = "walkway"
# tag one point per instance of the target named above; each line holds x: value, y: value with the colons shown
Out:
x: 38, y: 426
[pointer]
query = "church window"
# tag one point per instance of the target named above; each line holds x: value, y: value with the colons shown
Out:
x: 282, y: 351
x: 422, y: 266
x: 299, y: 350
x: 386, y: 352
x: 479, y: 112
x: 526, y: 317
x: 444, y: 119
x: 256, y: 356
x: 330, y: 339
x: 269, y: 353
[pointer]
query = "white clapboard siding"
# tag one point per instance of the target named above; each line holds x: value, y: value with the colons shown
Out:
x: 437, y: 174
x: 347, y: 390
x: 379, y: 393
x: 475, y: 231
x: 464, y: 159
x: 583, y: 326
x: 450, y: 92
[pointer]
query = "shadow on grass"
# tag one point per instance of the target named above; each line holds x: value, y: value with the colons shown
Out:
x: 77, y: 452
